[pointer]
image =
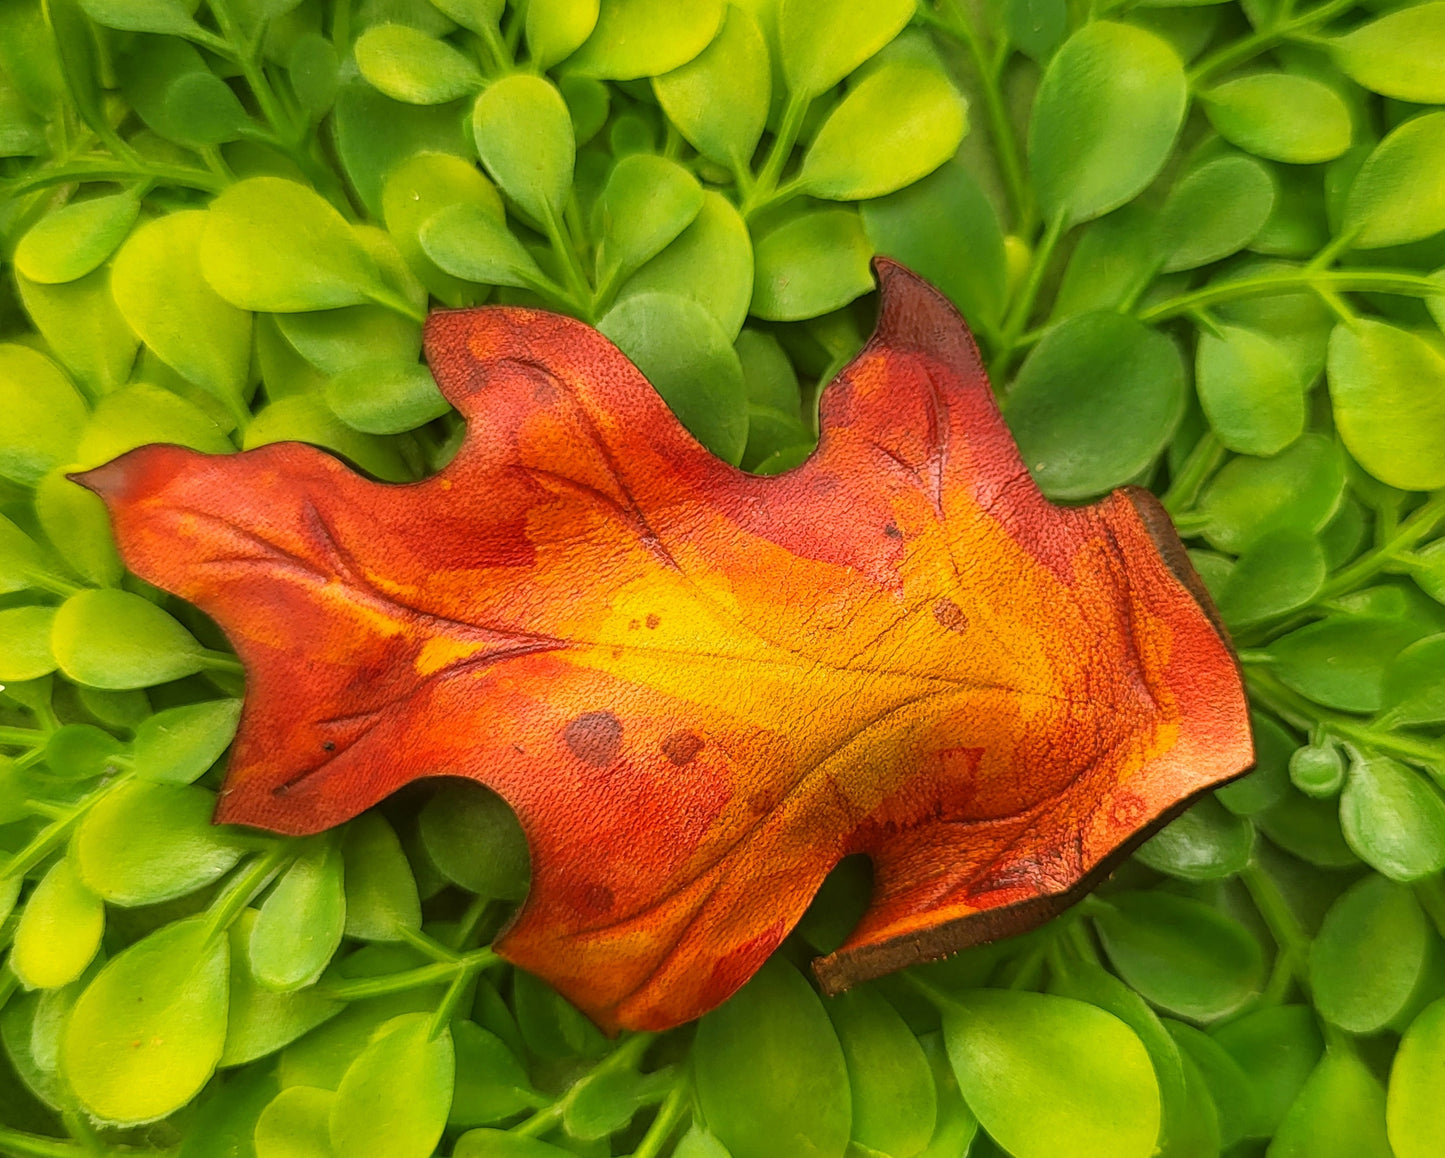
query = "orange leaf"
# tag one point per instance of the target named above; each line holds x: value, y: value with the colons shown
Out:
x: 700, y: 688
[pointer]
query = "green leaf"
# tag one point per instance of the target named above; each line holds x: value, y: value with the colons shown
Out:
x: 1414, y: 1111
x: 418, y: 188
x: 1340, y: 1113
x: 550, y: 1025
x: 1094, y: 403
x: 822, y: 41
x: 558, y: 28
x: 1050, y: 1075
x: 72, y: 241
x: 25, y: 642
x: 1341, y: 661
x: 1104, y: 121
x: 335, y: 341
x: 83, y: 328
x: 1278, y: 1048
x: 811, y: 264
x: 895, y: 1103
x: 491, y: 1083
x: 139, y: 414
x: 1414, y: 691
x: 1388, y: 390
x: 897, y: 124
x: 386, y: 397
x: 468, y: 241
x: 1116, y: 256
x: 381, y: 896
x: 44, y: 415
x: 260, y: 1021
x: 1180, y: 954
x: 1281, y: 116
x: 224, y: 1124
x: 1300, y: 488
x: 148, y: 1031
x: 1400, y: 55
x: 1277, y: 573
x: 1393, y: 818
x: 296, y: 1123
x: 1249, y: 389
x: 711, y: 262
x: 1215, y: 210
x: 147, y: 843
x: 272, y: 244
x: 21, y: 560
x: 1228, y: 1087
x: 1399, y: 193
x: 638, y: 38
x: 408, y: 65
x: 169, y: 17
x: 1036, y: 26
x: 1369, y: 955
x: 647, y: 202
x: 307, y: 418
x: 486, y: 1143
x: 1207, y: 843
x: 82, y: 752
x: 1318, y: 771
x: 59, y: 930
x: 393, y: 1101
x: 113, y: 639
x: 690, y: 361
x: 162, y: 295
x: 177, y: 745
x: 719, y: 99
x: 524, y: 136
x: 768, y: 1066
x: 301, y: 921
x: 473, y: 838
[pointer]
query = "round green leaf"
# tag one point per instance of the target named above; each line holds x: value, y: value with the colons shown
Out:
x: 1300, y: 487
x: 1050, y: 1075
x: 1369, y: 955
x: 301, y: 921
x: 1277, y: 1048
x: 1341, y: 661
x: 1340, y: 1113
x: 82, y: 752
x: 1401, y: 54
x: 386, y: 397
x: 1215, y: 210
x: 260, y: 1021
x: 381, y: 895
x: 1388, y: 390
x: 72, y: 241
x: 113, y: 639
x: 487, y: 1143
x: 1414, y: 1110
x: 177, y: 745
x: 945, y: 229
x: 895, y: 1103
x: 83, y: 328
x: 25, y: 634
x: 469, y: 242
x: 394, y: 1099
x: 550, y: 1025
x: 296, y: 1123
x: 272, y: 244
x: 524, y: 137
x: 141, y: 413
x: 148, y: 1031
x: 647, y: 202
x: 897, y: 124
x: 638, y: 38
x: 719, y: 99
x: 558, y: 28
x: 307, y: 418
x: 44, y: 414
x: 146, y: 843
x: 1394, y: 819
x: 1116, y: 256
x: 21, y: 560
x: 1104, y: 121
x: 822, y: 41
x: 473, y: 838
x: 811, y: 264
x: 1278, y: 573
x: 1094, y: 403
x: 1181, y: 954
x: 1317, y: 771
x: 415, y: 190
x: 768, y: 1066
x: 711, y: 262
x: 335, y: 341
x: 159, y: 289
x: 59, y: 930
x: 408, y: 65
x: 1399, y: 193
x: 1229, y: 1088
x: 1249, y: 389
x: 1414, y: 690
x: 1281, y: 116
x: 690, y: 361
x: 1207, y: 843
x: 491, y: 1083
x: 170, y: 17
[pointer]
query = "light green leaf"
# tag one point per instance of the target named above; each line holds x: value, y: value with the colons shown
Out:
x: 638, y: 38
x: 524, y: 137
x: 168, y: 17
x: 381, y: 895
x: 301, y: 921
x: 895, y: 1103
x: 469, y: 242
x: 25, y: 642
x: 1279, y: 572
x: 647, y: 202
x: 811, y: 264
x: 1340, y: 1113
x: 394, y: 1099
x: 415, y: 190
x: 296, y: 1123
x: 558, y: 28
x: 1300, y: 487
x: 1281, y: 116
x: 141, y: 413
x: 822, y: 41
x: 386, y: 397
x: 307, y: 418
x: 1401, y: 54
x: 1414, y: 690
x: 408, y: 65
x: 72, y: 241
x: 1399, y: 193
x: 260, y: 1021
x: 1249, y: 389
x: 113, y: 639
x: 44, y: 415
x: 59, y: 930
x: 1414, y: 1110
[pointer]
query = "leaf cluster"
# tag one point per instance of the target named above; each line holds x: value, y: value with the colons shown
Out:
x: 1200, y: 244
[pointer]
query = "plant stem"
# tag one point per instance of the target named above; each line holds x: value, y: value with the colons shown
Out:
x: 1375, y: 280
x: 782, y: 148
x: 629, y: 1053
x: 1019, y: 312
x: 1265, y: 39
x: 54, y: 834
x: 243, y: 888
x: 1289, y: 934
x: 666, y: 1121
x: 39, y: 1146
x: 1202, y: 462
x: 360, y: 988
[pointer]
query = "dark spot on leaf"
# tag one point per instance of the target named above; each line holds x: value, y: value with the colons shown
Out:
x: 594, y: 738
x: 950, y: 615
x: 328, y: 745
x: 682, y: 747
x: 892, y: 531
x: 598, y: 898
x: 652, y: 622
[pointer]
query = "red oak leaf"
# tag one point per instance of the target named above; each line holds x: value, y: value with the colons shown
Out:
x: 700, y: 688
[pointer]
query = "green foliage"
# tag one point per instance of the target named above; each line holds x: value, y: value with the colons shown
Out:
x: 222, y: 223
